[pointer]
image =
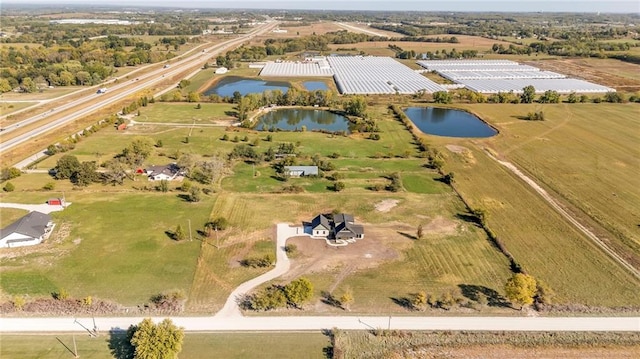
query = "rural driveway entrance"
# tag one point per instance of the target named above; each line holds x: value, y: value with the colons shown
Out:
x: 42, y: 208
x: 283, y: 232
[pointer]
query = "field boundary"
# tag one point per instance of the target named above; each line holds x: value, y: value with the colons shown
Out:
x: 549, y: 199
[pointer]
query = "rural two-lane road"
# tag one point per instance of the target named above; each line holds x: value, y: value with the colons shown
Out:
x: 230, y: 318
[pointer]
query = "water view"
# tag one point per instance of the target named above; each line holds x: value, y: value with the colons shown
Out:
x: 228, y: 85
x: 448, y: 122
x: 315, y: 85
x: 294, y: 119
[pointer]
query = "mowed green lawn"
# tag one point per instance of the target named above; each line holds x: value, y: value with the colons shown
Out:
x: 195, y: 346
x: 117, y: 248
x: 181, y: 112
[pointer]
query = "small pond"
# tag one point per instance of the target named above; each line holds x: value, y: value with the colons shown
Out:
x: 291, y: 119
x: 448, y: 122
x: 230, y: 84
x: 315, y: 85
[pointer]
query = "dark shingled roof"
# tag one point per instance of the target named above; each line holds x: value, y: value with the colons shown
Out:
x: 32, y: 225
x: 321, y: 220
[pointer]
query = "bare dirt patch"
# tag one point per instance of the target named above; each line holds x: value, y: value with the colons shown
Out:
x: 456, y: 148
x: 440, y: 226
x: 386, y: 205
x: 381, y: 244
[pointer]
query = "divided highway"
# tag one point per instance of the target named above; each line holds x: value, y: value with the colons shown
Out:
x: 120, y: 91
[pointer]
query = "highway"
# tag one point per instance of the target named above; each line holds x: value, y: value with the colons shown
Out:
x: 119, y: 91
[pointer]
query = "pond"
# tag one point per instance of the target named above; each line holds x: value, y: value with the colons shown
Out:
x: 448, y: 122
x: 291, y: 119
x: 230, y: 84
x: 315, y: 85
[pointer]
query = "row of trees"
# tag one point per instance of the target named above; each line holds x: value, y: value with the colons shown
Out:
x: 294, y: 294
x: 88, y: 63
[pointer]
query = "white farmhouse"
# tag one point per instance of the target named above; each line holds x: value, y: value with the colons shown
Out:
x: 26, y: 231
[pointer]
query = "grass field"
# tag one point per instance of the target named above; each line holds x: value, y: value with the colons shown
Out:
x: 219, y: 345
x: 186, y: 113
x: 46, y: 94
x: 587, y: 153
x: 9, y: 107
x: 10, y: 215
x: 585, y: 162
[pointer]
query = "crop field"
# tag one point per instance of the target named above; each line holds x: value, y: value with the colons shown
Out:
x: 365, y: 344
x: 562, y: 153
x: 381, y: 48
x: 587, y: 154
x: 195, y: 346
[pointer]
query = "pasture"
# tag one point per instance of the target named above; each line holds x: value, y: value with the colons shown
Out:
x: 223, y: 345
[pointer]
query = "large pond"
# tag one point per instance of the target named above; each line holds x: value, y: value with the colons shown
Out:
x: 230, y: 84
x: 292, y: 119
x: 448, y: 122
x: 315, y: 85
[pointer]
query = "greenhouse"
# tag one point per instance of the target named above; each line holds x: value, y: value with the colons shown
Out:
x: 377, y: 75
x: 541, y: 85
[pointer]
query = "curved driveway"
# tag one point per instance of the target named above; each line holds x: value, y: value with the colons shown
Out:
x: 230, y: 317
x: 283, y: 232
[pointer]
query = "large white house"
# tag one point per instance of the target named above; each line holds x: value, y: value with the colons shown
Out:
x: 31, y: 229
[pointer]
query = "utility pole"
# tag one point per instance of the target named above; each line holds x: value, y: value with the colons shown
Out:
x: 190, y: 238
x: 75, y: 347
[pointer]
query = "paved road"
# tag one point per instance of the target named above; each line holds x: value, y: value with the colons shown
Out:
x: 359, y: 29
x: 126, y: 89
x: 230, y: 317
x: 70, y: 324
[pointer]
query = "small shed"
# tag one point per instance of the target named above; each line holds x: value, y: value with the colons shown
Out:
x: 300, y: 171
x: 55, y: 202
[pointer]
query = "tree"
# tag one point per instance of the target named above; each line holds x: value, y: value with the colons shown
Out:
x: 449, y: 178
x: 66, y: 166
x: 179, y: 234
x: 156, y: 341
x: 164, y: 186
x: 521, y: 289
x: 420, y: 232
x: 9, y: 173
x: 550, y: 96
x: 338, y: 186
x: 193, y: 97
x: 357, y: 106
x: 419, y: 300
x: 573, y: 98
x: 346, y: 299
x: 86, y: 174
x: 442, y: 97
x: 528, y: 94
x: 8, y: 187
x: 138, y: 150
x: 298, y: 291
x: 115, y: 172
x: 195, y: 194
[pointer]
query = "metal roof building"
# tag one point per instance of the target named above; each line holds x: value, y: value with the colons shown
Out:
x: 377, y: 75
x: 541, y: 85
x: 493, y: 76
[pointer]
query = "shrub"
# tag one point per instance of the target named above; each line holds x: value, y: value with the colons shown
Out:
x: 62, y: 294
x: 49, y: 186
x: 258, y: 262
x: 9, y: 187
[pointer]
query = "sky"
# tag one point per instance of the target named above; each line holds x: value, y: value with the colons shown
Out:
x: 617, y: 6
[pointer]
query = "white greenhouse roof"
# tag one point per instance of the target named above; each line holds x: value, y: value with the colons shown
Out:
x: 478, y: 75
x: 440, y: 63
x: 294, y: 69
x: 377, y: 75
x: 541, y: 85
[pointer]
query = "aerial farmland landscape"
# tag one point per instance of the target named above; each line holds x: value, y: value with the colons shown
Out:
x: 336, y: 180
